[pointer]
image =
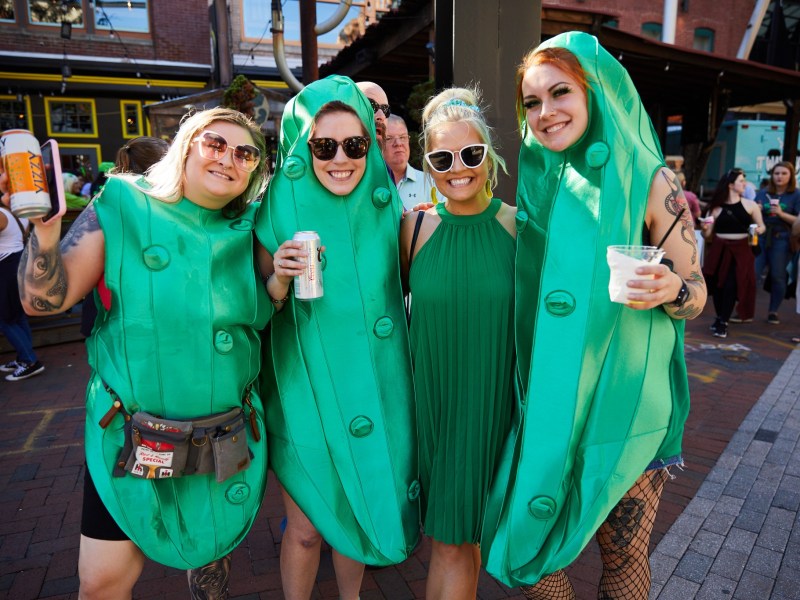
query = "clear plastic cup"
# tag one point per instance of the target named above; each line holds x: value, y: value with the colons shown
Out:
x: 623, y: 262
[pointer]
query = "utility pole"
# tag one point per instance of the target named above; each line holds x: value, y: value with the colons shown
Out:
x: 224, y: 66
x: 308, y: 40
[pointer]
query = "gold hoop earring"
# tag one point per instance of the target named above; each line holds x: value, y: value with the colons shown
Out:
x: 434, y: 197
x: 489, y: 193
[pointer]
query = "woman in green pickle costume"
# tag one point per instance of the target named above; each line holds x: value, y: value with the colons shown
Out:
x: 177, y: 336
x: 337, y: 375
x: 603, y: 385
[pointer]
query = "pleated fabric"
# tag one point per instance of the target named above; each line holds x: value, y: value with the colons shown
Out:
x: 462, y: 346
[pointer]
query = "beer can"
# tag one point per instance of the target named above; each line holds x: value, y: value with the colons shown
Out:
x: 308, y: 286
x: 27, y: 180
x: 752, y: 232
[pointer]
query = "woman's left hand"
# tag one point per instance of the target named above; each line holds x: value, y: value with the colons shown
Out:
x: 660, y: 287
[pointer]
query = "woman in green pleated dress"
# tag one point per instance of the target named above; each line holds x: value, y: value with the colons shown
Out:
x: 458, y: 263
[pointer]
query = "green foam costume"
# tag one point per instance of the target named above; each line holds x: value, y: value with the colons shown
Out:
x: 603, y: 387
x: 337, y: 372
x: 180, y: 341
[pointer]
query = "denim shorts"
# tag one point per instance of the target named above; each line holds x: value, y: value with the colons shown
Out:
x: 661, y: 463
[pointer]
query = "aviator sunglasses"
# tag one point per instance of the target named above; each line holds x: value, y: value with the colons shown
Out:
x: 354, y: 147
x: 213, y: 147
x: 387, y: 110
x: 442, y: 161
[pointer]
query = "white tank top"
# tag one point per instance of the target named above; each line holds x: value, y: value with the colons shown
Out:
x: 11, y: 236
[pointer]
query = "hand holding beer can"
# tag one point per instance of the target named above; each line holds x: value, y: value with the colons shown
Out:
x: 27, y: 180
x: 752, y: 233
x: 308, y: 286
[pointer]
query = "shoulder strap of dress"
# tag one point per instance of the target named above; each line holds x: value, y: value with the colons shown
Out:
x: 417, y: 225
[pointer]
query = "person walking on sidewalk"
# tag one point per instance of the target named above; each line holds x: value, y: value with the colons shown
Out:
x: 13, y: 322
x: 729, y: 265
x: 780, y: 204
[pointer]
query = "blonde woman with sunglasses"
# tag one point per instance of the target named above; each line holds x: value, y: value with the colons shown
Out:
x: 458, y: 263
x: 177, y: 338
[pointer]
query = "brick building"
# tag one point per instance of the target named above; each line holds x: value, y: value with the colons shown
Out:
x: 81, y: 72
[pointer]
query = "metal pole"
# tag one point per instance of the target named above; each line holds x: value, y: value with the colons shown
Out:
x: 308, y: 40
x: 670, y: 19
x: 223, y: 43
x: 751, y: 31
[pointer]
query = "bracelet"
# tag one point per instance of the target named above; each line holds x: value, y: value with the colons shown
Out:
x: 274, y: 301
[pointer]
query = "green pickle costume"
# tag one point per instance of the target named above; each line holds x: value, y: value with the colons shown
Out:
x: 180, y: 341
x: 603, y: 387
x: 337, y: 374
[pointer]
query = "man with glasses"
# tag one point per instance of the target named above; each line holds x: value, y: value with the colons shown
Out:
x: 413, y: 185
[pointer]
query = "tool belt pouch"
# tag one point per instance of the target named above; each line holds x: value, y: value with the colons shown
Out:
x: 165, y: 448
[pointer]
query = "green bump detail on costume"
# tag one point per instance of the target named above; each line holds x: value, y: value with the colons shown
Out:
x: 178, y: 342
x: 604, y: 386
x: 337, y: 374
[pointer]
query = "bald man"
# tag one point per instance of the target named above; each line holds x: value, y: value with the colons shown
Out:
x: 380, y: 106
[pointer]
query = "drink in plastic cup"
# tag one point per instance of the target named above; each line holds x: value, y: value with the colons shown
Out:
x: 623, y: 262
x: 773, y: 204
x: 709, y: 220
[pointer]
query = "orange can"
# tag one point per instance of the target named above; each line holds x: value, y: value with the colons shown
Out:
x: 27, y: 181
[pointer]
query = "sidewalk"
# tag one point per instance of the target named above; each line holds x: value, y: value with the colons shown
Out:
x: 41, y: 472
x: 740, y: 536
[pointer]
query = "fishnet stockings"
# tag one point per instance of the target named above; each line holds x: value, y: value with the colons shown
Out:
x: 624, y: 540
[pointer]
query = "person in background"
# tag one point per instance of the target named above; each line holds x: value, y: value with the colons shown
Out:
x: 780, y: 205
x: 139, y: 154
x: 413, y: 185
x: 729, y: 264
x: 380, y: 106
x: 13, y: 321
x: 72, y: 191
x: 101, y: 178
x: 604, y: 384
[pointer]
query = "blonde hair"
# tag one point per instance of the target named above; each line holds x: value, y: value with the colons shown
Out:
x: 460, y: 105
x: 165, y: 177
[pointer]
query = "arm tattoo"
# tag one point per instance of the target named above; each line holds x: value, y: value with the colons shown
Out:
x: 85, y: 223
x: 673, y: 204
x: 691, y: 309
x: 42, y: 277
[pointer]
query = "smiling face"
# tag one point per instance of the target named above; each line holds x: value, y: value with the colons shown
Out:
x: 555, y: 106
x: 460, y: 183
x: 341, y: 174
x: 214, y: 183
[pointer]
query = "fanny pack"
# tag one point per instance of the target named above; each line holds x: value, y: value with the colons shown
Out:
x: 158, y: 448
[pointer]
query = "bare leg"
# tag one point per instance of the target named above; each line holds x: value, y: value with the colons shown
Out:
x: 300, y: 549
x: 210, y: 582
x: 624, y: 540
x: 452, y: 574
x: 555, y: 586
x: 349, y: 574
x: 108, y: 569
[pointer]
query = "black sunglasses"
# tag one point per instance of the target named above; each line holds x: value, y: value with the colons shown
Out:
x: 442, y: 161
x: 387, y: 110
x: 354, y: 147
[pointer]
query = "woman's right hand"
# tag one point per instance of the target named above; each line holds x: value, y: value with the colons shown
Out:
x: 289, y: 261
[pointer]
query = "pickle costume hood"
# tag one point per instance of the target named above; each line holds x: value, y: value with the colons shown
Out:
x: 181, y: 342
x: 337, y: 370
x: 603, y: 387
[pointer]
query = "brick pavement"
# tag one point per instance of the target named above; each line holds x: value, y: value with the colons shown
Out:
x: 41, y: 470
x: 740, y: 536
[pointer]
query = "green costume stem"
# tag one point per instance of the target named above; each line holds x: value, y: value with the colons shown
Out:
x: 337, y: 373
x: 180, y: 341
x: 603, y: 387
